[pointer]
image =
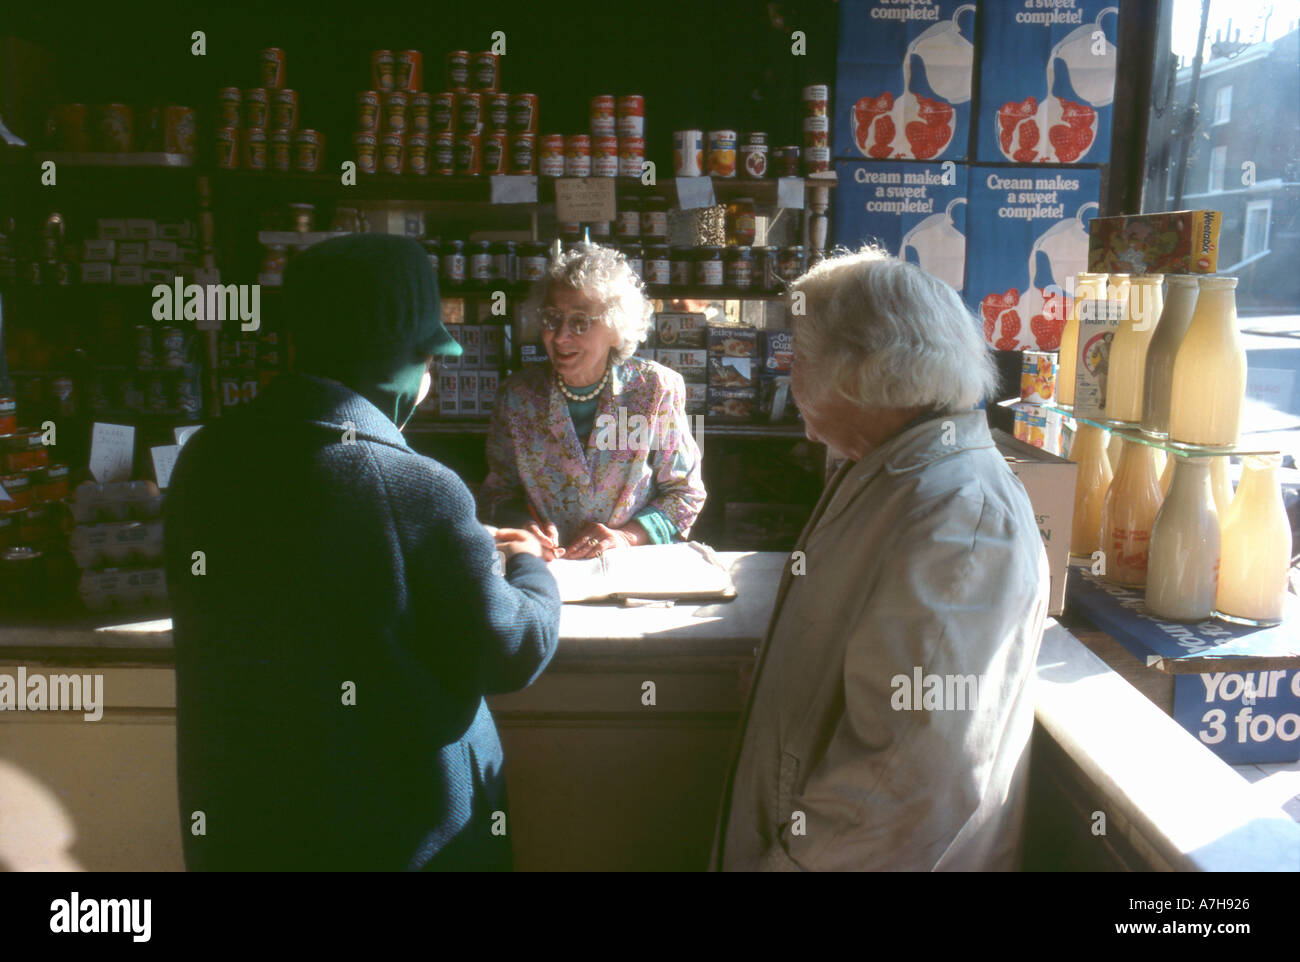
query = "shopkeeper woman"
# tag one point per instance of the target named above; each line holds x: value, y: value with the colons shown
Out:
x: 558, y: 463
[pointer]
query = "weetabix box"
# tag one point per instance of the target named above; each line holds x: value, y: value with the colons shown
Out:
x: 903, y: 87
x: 680, y: 330
x: 915, y: 211
x: 1177, y: 242
x: 1047, y: 80
x: 1026, y: 241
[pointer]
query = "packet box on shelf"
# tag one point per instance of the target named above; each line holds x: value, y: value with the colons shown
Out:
x: 532, y: 354
x: 176, y: 230
x: 697, y: 397
x: 448, y: 360
x: 95, y: 502
x: 778, y: 352
x: 469, y: 392
x: 1177, y: 242
x: 493, y: 345
x: 449, y: 393
x: 117, y: 544
x: 131, y: 252
x: 98, y: 250
x: 1039, y: 426
x: 732, y: 404
x: 116, y: 588
x: 733, y: 342
x: 160, y: 275
x: 733, y: 372
x: 1038, y: 377
x: 141, y: 228
x: 111, y: 228
x: 471, y: 344
x: 161, y: 252
x: 1049, y: 482
x: 489, y: 382
x: 691, y: 363
x: 128, y: 274
x: 776, y: 402
x: 681, y: 330
x: 1097, y: 329
x: 96, y: 272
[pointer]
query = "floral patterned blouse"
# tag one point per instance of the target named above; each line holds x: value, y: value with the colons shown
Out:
x: 640, y: 454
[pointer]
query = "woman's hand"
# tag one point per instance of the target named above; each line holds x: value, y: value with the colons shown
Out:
x: 595, y: 539
x: 548, y: 536
x: 513, y: 541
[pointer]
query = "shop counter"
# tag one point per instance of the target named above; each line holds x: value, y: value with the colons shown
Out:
x: 616, y: 756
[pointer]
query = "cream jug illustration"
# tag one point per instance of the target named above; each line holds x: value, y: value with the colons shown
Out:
x: 1080, y: 79
x: 914, y: 124
x: 937, y: 246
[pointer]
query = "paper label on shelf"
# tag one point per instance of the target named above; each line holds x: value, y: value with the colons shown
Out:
x: 695, y: 192
x: 112, y: 448
x: 164, y: 459
x: 514, y: 188
x: 184, y: 432
x: 789, y: 193
x: 4, y: 495
x: 584, y: 199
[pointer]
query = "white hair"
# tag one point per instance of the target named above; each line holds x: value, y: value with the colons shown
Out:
x: 885, y: 334
x: 603, y: 275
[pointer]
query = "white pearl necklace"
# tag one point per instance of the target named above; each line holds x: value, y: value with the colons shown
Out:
x: 574, y: 395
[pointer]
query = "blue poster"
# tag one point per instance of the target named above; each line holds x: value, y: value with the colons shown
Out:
x: 1027, y: 239
x: 1047, y: 81
x: 916, y: 211
x: 903, y: 85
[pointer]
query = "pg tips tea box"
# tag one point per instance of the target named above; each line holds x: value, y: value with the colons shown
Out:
x: 915, y: 211
x: 903, y: 88
x: 1027, y: 239
x: 1047, y: 80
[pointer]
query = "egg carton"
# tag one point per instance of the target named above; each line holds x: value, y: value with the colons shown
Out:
x: 123, y: 588
x: 117, y: 544
x: 96, y: 502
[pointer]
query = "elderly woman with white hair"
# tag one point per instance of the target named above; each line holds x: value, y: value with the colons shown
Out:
x: 562, y: 460
x: 889, y: 718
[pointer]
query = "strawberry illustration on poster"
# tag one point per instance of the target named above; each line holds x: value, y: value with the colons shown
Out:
x: 1027, y: 239
x: 915, y: 211
x: 1047, y: 80
x: 903, y: 86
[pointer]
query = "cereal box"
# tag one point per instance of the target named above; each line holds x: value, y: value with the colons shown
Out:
x: 903, y: 87
x: 1178, y: 242
x: 697, y: 397
x: 680, y: 330
x: 915, y: 211
x: 1047, y: 79
x: 448, y: 360
x: 1027, y: 234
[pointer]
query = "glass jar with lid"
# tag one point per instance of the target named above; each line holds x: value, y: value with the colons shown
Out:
x: 504, y: 267
x: 532, y: 261
x: 480, y: 262
x: 658, y: 265
x: 432, y: 248
x: 453, y: 263
x: 654, y: 220
x: 740, y: 222
x: 682, y: 267
x: 738, y: 268
x: 708, y: 266
x: 629, y: 218
x: 634, y: 256
x: 790, y: 262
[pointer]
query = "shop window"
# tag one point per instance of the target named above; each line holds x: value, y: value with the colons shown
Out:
x: 1223, y: 105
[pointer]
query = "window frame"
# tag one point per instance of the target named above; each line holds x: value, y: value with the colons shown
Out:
x: 1223, y: 116
x: 1218, y: 165
x: 1266, y: 205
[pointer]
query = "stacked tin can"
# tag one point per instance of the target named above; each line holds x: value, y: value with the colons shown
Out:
x: 257, y: 127
x: 816, y: 129
x: 471, y: 128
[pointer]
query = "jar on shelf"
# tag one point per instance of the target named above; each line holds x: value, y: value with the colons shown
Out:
x: 274, y: 259
x: 790, y: 263
x: 431, y: 251
x: 738, y: 268
x: 654, y: 220
x: 740, y: 222
x: 1183, y: 567
x: 708, y: 266
x: 682, y: 267
x: 480, y: 263
x: 767, y: 276
x: 453, y: 263
x: 504, y: 266
x: 658, y: 265
x: 1157, y: 383
x: 629, y: 218
x: 1209, y: 384
x: 1129, y: 513
x: 302, y: 217
x: 634, y: 255
x: 532, y: 261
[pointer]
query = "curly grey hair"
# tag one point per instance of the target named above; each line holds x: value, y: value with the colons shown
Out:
x: 604, y: 275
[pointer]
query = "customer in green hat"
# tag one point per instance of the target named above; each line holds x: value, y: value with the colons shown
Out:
x: 338, y: 612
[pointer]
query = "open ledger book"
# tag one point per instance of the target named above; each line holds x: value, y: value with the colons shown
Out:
x: 685, y: 571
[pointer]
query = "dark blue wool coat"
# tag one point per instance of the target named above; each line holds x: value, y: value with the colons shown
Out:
x: 331, y: 566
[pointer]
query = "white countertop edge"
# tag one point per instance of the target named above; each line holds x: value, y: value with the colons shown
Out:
x: 1190, y: 806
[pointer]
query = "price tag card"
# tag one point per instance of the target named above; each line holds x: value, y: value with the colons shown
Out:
x: 204, y: 277
x: 112, y: 448
x: 164, y: 459
x: 584, y: 199
x: 514, y: 189
x: 4, y: 495
x: 789, y: 192
x: 695, y: 192
x: 184, y: 432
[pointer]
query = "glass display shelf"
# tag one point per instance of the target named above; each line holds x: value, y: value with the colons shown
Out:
x: 1133, y: 433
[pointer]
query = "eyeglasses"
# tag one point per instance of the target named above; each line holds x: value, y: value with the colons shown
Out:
x: 553, y: 320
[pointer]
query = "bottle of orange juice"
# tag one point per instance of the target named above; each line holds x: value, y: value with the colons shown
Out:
x: 1090, y: 487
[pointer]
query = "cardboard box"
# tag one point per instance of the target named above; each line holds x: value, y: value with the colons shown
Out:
x: 915, y: 211
x: 875, y: 114
x: 447, y: 360
x: 448, y: 393
x: 130, y: 252
x: 176, y: 230
x: 98, y: 250
x: 141, y: 228
x: 128, y: 274
x: 1026, y: 241
x: 1097, y: 327
x: 732, y: 404
x: 1049, y: 482
x: 733, y: 341
x: 159, y: 275
x: 1047, y: 81
x: 493, y: 345
x: 531, y: 354
x: 489, y: 382
x: 681, y: 330
x: 97, y: 272
x: 111, y: 228
x: 1178, y: 242
x: 691, y: 363
x: 161, y: 252
x: 471, y: 343
x: 469, y: 392
x: 697, y: 397
x: 778, y: 352
x: 733, y: 372
x: 776, y: 403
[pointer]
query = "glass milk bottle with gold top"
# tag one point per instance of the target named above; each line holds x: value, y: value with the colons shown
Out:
x: 1158, y: 381
x: 1209, y: 370
x: 1090, y: 487
x: 1256, y: 551
x: 1183, y: 568
x: 1087, y: 287
x: 1128, y: 514
x: 1140, y: 303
